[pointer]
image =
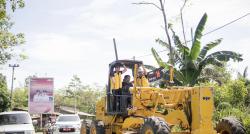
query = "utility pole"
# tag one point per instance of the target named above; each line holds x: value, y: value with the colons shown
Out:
x: 12, y: 81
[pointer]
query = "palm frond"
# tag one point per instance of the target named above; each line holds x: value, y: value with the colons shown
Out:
x: 225, y: 56
x: 163, y: 43
x: 179, y: 76
x: 245, y: 72
x: 158, y: 59
x: 218, y: 58
x: 212, y: 61
x: 176, y: 54
x: 196, y: 46
x: 208, y: 47
x: 182, y: 49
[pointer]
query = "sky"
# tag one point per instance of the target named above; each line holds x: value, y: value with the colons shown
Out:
x: 66, y: 38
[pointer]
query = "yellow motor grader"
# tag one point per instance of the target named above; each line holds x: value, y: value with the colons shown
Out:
x: 151, y: 110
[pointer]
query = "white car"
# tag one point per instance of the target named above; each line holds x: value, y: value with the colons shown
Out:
x: 16, y: 122
x: 68, y: 123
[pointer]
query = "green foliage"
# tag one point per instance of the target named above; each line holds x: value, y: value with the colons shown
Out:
x: 17, y: 4
x: 229, y: 101
x: 4, y: 95
x: 237, y: 92
x: 14, y: 5
x: 246, y: 122
x: 220, y: 95
x: 196, y: 46
x: 243, y: 77
x: 216, y: 74
x: 85, y: 96
x: 20, y: 98
x: 190, y: 63
x: 240, y: 113
x: 234, y: 92
x: 158, y: 59
x: 247, y: 100
x: 74, y: 86
x: 9, y: 40
x: 208, y: 47
x: 88, y: 99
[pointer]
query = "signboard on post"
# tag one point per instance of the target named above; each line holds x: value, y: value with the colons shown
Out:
x: 41, y: 99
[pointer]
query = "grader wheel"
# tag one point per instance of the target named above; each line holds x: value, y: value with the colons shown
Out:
x: 85, y: 127
x: 97, y: 127
x: 154, y: 125
x: 230, y: 125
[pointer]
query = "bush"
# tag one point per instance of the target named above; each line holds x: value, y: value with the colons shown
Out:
x: 4, y: 95
x: 237, y: 92
x: 229, y: 100
x: 240, y: 113
x: 220, y: 95
x: 246, y: 122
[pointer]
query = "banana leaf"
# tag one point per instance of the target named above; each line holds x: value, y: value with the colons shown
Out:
x: 208, y: 47
x: 182, y: 49
x: 158, y: 59
x: 177, y: 57
x: 196, y: 46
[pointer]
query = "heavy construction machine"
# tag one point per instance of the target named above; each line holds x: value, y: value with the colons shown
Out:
x: 151, y: 110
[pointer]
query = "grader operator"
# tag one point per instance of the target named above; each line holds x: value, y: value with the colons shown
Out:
x: 151, y: 110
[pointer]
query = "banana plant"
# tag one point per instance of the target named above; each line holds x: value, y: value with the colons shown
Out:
x: 189, y: 62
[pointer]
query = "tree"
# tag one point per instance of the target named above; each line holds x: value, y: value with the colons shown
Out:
x: 20, y: 98
x: 218, y: 74
x: 4, y: 95
x: 190, y: 62
x: 244, y: 78
x: 83, y: 97
x: 89, y: 97
x: 73, y: 87
x: 9, y: 40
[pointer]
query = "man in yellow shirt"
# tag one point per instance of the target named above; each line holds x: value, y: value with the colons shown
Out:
x: 116, y: 85
x: 142, y: 78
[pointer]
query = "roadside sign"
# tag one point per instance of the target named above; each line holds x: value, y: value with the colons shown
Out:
x: 41, y: 99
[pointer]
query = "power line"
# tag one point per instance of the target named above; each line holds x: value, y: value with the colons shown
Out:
x: 214, y: 30
x: 150, y: 54
x: 227, y: 24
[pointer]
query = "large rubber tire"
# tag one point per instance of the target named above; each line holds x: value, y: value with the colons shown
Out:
x: 97, y: 127
x: 85, y: 127
x: 155, y: 125
x: 230, y: 125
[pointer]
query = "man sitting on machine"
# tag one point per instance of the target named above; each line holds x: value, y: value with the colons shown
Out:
x: 142, y: 78
x: 126, y: 84
x: 126, y: 95
x: 116, y: 85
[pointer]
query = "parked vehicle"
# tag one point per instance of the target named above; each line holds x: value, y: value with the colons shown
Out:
x: 68, y: 123
x: 17, y: 122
